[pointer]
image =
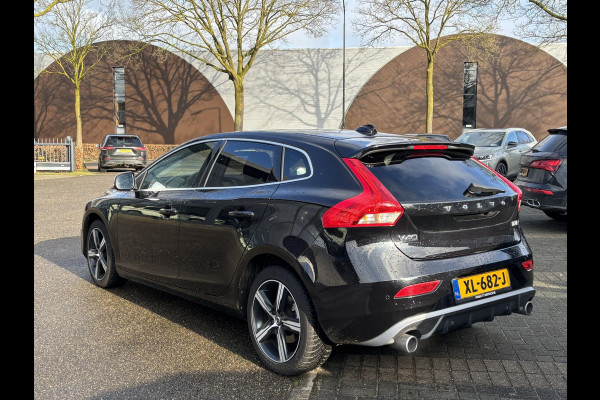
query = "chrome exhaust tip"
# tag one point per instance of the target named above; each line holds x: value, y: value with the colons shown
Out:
x: 527, y: 308
x: 407, y: 343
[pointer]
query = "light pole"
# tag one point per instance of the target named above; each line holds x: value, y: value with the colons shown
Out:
x: 344, y: 67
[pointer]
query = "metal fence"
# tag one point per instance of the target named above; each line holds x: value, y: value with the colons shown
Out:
x: 54, y: 154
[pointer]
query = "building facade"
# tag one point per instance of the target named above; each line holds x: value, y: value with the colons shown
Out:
x: 171, y: 98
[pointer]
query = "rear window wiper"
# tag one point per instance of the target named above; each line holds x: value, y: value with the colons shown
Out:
x: 480, y: 190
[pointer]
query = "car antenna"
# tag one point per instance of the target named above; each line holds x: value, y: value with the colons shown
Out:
x: 368, y: 129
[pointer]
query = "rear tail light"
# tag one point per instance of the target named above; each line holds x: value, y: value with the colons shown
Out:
x: 375, y: 206
x: 108, y: 148
x: 508, y: 182
x: 528, y: 265
x: 140, y: 148
x: 548, y: 165
x: 418, y: 289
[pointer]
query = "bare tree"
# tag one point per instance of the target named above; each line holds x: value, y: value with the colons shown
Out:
x: 227, y: 35
x: 72, y: 34
x: 540, y: 21
x: 44, y: 6
x: 428, y: 24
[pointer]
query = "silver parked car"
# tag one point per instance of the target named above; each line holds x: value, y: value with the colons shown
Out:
x: 499, y: 149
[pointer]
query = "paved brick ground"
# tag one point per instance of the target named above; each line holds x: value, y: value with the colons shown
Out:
x: 512, y: 357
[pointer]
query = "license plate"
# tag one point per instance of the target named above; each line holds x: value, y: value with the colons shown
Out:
x: 524, y: 171
x: 124, y: 151
x: 481, y: 285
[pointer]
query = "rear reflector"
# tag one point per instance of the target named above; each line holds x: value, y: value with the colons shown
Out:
x: 539, y: 191
x: 418, y: 289
x: 375, y: 206
x: 528, y: 265
x: 548, y: 165
x: 508, y: 182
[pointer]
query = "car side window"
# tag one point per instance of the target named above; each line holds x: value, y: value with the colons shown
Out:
x: 242, y: 163
x: 295, y: 165
x: 511, y: 137
x: 180, y: 169
x: 523, y: 137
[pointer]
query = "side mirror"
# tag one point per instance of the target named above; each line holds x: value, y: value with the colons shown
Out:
x: 511, y: 144
x: 125, y: 181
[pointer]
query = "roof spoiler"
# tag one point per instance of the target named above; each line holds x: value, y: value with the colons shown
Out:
x: 558, y: 130
x: 378, y: 151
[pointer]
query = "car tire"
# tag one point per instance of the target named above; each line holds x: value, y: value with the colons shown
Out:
x: 556, y: 215
x: 287, y: 337
x: 501, y: 168
x: 100, y: 257
x: 100, y: 169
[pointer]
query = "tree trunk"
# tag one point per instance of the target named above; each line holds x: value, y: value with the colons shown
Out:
x: 79, y: 135
x: 238, y: 122
x: 429, y: 96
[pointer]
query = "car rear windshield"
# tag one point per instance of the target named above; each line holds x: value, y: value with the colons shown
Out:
x: 554, y: 143
x: 431, y: 179
x: 125, y: 141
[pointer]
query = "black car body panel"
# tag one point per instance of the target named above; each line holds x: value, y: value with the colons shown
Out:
x: 207, y: 243
x: 546, y: 189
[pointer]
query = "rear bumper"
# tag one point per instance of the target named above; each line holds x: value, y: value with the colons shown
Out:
x: 463, y: 315
x: 544, y: 196
x: 355, y: 301
x: 122, y: 164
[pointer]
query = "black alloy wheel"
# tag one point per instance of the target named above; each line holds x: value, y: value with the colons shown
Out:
x: 283, y: 327
x: 100, y: 258
x: 501, y: 168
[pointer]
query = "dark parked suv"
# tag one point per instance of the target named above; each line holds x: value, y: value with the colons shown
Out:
x: 319, y: 238
x: 543, y: 175
x: 121, y: 151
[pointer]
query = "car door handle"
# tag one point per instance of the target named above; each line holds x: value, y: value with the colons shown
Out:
x: 241, y: 214
x: 169, y: 211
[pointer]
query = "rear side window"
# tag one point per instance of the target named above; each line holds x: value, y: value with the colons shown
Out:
x: 554, y: 143
x: 430, y: 179
x: 242, y: 163
x: 295, y: 165
x: 123, y: 141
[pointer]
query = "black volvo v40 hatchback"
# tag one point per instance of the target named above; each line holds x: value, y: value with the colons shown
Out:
x: 319, y: 238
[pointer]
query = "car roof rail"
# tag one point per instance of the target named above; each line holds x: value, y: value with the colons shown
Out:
x: 367, y: 129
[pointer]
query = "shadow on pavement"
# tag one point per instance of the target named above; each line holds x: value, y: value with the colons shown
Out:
x: 538, y: 222
x: 223, y: 329
x: 202, y: 385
